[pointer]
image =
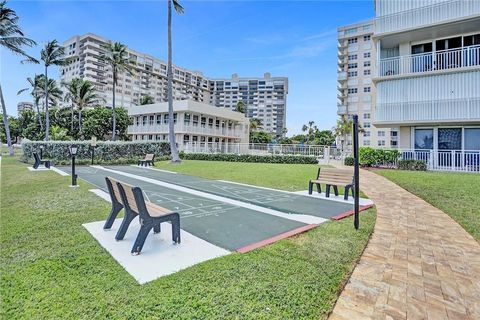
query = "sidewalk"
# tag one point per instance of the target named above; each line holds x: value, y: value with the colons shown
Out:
x: 419, y: 263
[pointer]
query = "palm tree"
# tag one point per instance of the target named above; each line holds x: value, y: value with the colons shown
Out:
x: 147, y: 100
x: 343, y: 128
x: 171, y: 132
x: 255, y: 123
x: 50, y: 91
x: 116, y: 56
x: 240, y: 107
x: 51, y: 55
x: 83, y: 96
x: 36, y: 90
x: 12, y: 39
x: 72, y: 92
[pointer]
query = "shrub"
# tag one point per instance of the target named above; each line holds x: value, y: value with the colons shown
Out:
x: 109, y: 151
x: 370, y: 157
x: 249, y: 158
x: 349, y: 161
x: 413, y: 165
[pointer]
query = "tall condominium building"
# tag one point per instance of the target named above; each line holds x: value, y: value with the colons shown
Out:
x: 24, y: 106
x: 265, y: 97
x: 428, y: 76
x: 356, y: 68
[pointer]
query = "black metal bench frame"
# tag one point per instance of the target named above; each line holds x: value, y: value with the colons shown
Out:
x: 39, y: 161
x: 348, y: 187
x: 147, y: 222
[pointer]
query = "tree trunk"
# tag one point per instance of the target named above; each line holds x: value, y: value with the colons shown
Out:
x: 39, y: 116
x: 171, y: 130
x: 114, y: 129
x: 80, y: 122
x: 5, y: 123
x: 71, y: 125
x: 47, y: 118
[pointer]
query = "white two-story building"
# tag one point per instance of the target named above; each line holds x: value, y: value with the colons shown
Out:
x: 428, y: 78
x: 197, y: 125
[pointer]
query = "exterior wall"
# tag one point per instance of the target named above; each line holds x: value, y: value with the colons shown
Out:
x: 359, y: 77
x: 23, y: 106
x: 194, y: 122
x: 267, y: 102
x: 265, y: 98
x: 405, y: 137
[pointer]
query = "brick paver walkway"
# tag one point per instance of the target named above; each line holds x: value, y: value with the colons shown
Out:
x: 419, y: 263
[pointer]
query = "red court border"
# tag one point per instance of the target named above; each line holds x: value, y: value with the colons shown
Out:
x: 296, y: 231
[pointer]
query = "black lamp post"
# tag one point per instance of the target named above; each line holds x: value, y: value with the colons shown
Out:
x: 93, y: 145
x: 356, y: 173
x: 41, y: 152
x: 73, y: 152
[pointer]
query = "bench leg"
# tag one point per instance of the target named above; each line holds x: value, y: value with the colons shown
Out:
x: 35, y: 165
x: 141, y: 237
x: 310, y: 187
x: 116, y: 208
x: 176, y: 229
x: 319, y: 188
x: 127, y: 219
x: 327, y: 191
x: 335, y: 189
x: 157, y: 228
x: 47, y: 164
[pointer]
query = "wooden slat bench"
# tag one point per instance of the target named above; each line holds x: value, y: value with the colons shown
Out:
x: 150, y: 214
x: 332, y: 178
x: 39, y: 161
x: 148, y: 160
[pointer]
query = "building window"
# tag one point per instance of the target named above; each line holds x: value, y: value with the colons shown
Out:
x: 393, y: 133
x: 195, y: 120
x: 186, y: 119
x: 367, y: 63
x: 366, y: 116
x: 472, y: 138
x: 165, y: 118
x: 367, y: 38
x: 366, y: 125
x: 151, y: 120
x: 381, y: 143
x: 352, y: 65
x: 352, y: 57
x: 393, y: 143
x: 366, y: 89
x: 366, y: 134
x: 366, y: 72
x: 159, y: 119
x: 381, y: 133
x: 351, y: 30
x: 366, y: 142
x: 352, y: 73
x: 352, y: 90
x: 144, y: 120
x: 174, y: 118
x: 367, y: 54
x: 352, y: 40
x: 424, y: 139
x: 450, y: 138
x: 203, y: 122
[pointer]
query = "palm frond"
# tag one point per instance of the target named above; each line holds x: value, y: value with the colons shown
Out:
x: 178, y: 7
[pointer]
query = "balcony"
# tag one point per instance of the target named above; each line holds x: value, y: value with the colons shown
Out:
x: 342, y: 75
x: 427, y: 15
x: 428, y: 112
x: 183, y: 128
x: 341, y: 109
x: 430, y: 61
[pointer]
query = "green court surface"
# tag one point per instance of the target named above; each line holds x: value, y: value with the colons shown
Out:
x: 228, y: 226
x: 277, y: 200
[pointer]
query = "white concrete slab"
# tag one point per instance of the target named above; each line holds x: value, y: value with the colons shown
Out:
x: 363, y: 201
x: 155, y: 169
x: 40, y: 168
x: 159, y: 257
x: 60, y: 172
x: 102, y: 194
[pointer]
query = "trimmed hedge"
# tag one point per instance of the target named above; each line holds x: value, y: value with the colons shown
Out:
x: 370, y: 157
x: 232, y: 157
x: 349, y: 161
x: 109, y: 151
x: 413, y: 165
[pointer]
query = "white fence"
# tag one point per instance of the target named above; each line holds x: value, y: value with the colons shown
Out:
x: 324, y: 153
x: 446, y: 160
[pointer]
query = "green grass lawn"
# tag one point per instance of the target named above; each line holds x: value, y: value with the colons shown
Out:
x: 457, y: 194
x: 51, y: 268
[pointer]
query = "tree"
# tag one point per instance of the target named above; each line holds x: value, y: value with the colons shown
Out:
x: 98, y: 122
x: 171, y: 131
x: 147, y: 100
x: 255, y: 123
x: 58, y: 133
x: 260, y: 137
x: 51, y: 55
x: 12, y: 39
x: 324, y: 138
x: 116, y: 56
x: 82, y: 94
x: 36, y: 89
x: 240, y: 107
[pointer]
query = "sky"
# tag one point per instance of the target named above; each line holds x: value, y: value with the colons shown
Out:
x: 296, y: 39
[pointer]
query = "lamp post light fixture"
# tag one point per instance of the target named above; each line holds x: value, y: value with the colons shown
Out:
x: 93, y: 145
x: 73, y: 152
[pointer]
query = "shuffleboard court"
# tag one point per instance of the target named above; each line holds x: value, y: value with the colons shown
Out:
x: 228, y: 226
x: 277, y: 200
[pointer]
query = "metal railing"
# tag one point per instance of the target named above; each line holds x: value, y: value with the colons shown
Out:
x: 189, y: 129
x: 446, y: 160
x: 430, y: 61
x: 426, y: 15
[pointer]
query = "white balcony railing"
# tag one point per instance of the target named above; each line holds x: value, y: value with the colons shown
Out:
x: 182, y: 128
x: 446, y: 160
x: 431, y: 61
x: 342, y: 75
x: 429, y: 111
x: 426, y: 15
